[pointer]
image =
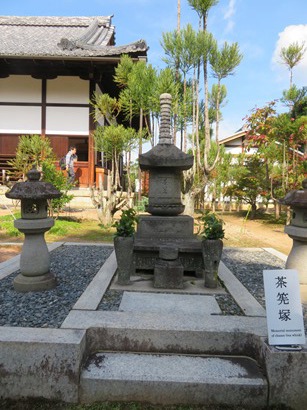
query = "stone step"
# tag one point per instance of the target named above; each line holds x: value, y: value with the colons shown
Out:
x: 169, y: 332
x: 173, y: 379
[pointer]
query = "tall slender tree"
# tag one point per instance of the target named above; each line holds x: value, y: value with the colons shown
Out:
x: 223, y: 63
x: 202, y: 8
x: 181, y: 53
x: 291, y: 56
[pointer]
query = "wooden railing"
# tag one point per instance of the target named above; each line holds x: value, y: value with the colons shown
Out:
x: 5, y: 167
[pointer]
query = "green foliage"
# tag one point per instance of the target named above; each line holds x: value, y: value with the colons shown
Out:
x: 138, y: 90
x: 202, y: 6
x: 292, y: 54
x: 125, y: 226
x: 166, y: 83
x: 212, y: 226
x: 250, y: 180
x: 58, y: 179
x: 31, y: 150
x: 36, y: 150
x: 7, y: 225
x: 123, y: 70
x: 182, y: 49
x: 279, y: 138
x: 114, y: 140
x: 105, y: 106
x: 216, y: 93
x: 224, y: 61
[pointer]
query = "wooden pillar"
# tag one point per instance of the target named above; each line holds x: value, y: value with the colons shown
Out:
x: 91, y: 151
x: 43, y: 112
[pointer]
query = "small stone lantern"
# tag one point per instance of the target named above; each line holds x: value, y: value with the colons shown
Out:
x: 35, y: 272
x: 297, y: 230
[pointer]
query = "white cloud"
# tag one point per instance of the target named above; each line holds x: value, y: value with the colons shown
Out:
x: 229, y: 13
x: 291, y: 34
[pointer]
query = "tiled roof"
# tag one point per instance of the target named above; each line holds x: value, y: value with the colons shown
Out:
x: 71, y: 37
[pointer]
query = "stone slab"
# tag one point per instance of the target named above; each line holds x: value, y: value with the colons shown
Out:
x: 168, y: 274
x: 199, y: 305
x: 244, y: 299
x: 93, y: 294
x: 276, y: 253
x: 150, y: 226
x: 173, y: 379
x: 41, y: 363
x: 170, y: 332
x: 287, y: 374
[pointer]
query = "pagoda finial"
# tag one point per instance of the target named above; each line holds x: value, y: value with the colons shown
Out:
x: 165, y: 126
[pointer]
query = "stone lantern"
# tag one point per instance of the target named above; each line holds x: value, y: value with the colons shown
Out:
x: 35, y: 272
x: 297, y: 230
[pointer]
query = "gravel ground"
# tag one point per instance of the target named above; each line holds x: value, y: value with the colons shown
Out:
x: 248, y: 266
x: 76, y: 265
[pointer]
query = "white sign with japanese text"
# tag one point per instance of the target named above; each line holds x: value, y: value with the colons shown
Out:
x: 283, y: 307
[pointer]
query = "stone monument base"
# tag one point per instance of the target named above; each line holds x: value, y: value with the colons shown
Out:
x: 156, y: 232
x: 24, y: 283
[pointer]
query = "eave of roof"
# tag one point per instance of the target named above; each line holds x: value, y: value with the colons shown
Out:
x: 62, y: 37
x: 233, y: 137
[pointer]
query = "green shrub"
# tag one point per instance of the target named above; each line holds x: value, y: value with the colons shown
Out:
x: 212, y: 226
x: 126, y: 224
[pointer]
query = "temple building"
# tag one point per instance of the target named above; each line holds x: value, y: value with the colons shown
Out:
x: 49, y: 69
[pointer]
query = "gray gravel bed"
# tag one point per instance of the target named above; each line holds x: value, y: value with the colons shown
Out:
x: 74, y: 268
x: 248, y: 265
x: 76, y: 265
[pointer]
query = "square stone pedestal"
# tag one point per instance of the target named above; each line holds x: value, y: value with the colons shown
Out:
x: 154, y: 232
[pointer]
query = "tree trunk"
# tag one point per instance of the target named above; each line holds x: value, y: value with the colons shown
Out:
x: 189, y: 203
x: 253, y: 210
x: 140, y: 152
x: 277, y: 207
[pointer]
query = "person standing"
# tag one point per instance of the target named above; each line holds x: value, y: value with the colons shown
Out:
x: 71, y: 157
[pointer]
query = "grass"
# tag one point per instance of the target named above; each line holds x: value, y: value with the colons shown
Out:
x: 265, y: 217
x: 65, y: 228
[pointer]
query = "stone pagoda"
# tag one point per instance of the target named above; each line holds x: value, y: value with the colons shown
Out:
x: 164, y: 241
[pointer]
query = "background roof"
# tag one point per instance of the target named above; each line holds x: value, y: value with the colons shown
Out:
x: 72, y: 37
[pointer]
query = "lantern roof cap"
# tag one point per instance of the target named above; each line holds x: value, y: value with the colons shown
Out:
x: 296, y: 198
x: 33, y: 188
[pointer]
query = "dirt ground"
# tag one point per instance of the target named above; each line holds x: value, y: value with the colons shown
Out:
x: 238, y: 232
x: 252, y: 233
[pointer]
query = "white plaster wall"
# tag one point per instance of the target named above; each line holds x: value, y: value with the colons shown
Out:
x: 68, y: 90
x: 21, y: 120
x: 233, y: 150
x: 20, y: 88
x: 67, y: 120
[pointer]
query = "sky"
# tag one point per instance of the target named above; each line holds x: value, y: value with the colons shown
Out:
x: 261, y: 28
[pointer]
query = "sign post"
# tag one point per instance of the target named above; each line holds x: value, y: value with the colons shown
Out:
x: 283, y: 307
